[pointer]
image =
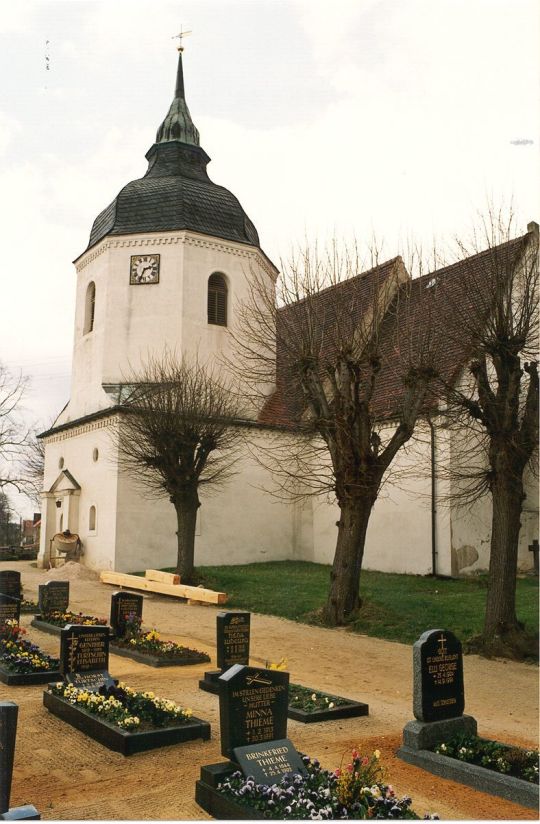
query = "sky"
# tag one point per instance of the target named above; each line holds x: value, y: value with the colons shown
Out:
x: 393, y: 118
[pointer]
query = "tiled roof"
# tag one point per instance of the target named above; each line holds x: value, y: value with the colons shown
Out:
x: 430, y: 312
x: 175, y: 193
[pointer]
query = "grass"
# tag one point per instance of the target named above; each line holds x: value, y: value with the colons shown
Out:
x: 396, y: 607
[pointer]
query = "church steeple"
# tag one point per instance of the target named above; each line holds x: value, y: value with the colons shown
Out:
x: 178, y: 124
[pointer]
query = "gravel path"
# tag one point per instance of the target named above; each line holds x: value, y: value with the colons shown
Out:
x: 69, y: 776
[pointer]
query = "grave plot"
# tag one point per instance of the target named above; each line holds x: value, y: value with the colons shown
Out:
x: 8, y: 731
x: 21, y: 662
x: 267, y: 778
x: 306, y: 704
x: 116, y: 715
x: 53, y: 615
x: 445, y: 742
x: 145, y: 646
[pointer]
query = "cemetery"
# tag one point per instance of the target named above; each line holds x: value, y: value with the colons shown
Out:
x: 53, y: 601
x: 146, y: 646
x: 260, y: 761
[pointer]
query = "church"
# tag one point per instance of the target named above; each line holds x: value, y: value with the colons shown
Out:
x: 168, y: 262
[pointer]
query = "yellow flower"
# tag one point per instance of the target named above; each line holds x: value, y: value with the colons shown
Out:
x: 377, y: 754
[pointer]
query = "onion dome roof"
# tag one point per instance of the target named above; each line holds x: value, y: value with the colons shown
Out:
x: 176, y: 192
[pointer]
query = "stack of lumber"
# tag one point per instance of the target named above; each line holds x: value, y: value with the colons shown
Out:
x: 164, y: 583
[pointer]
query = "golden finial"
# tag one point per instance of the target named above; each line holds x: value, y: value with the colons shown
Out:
x: 182, y: 34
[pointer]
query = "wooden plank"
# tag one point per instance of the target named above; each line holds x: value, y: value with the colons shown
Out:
x: 162, y: 577
x: 179, y: 590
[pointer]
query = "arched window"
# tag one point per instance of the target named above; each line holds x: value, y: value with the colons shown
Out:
x: 92, y: 519
x: 217, y: 300
x: 89, y: 307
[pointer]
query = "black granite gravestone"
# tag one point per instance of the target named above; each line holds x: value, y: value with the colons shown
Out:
x: 10, y: 609
x: 438, y: 676
x: 233, y: 631
x: 124, y: 604
x: 84, y: 656
x: 53, y: 596
x: 10, y: 583
x: 8, y: 730
x: 253, y: 707
x: 268, y: 763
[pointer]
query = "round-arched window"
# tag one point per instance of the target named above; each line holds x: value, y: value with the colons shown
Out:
x: 89, y: 307
x: 217, y: 300
x: 92, y: 519
x: 95, y: 454
x: 60, y: 463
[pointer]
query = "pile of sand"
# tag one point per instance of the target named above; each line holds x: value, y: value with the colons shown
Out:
x: 71, y: 571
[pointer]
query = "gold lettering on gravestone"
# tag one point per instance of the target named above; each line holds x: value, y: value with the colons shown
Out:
x: 87, y: 652
x: 258, y: 704
x: 235, y: 638
x: 272, y: 761
x: 443, y: 668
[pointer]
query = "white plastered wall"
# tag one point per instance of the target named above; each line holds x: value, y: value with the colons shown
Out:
x: 132, y: 321
x: 98, y: 487
x: 238, y: 522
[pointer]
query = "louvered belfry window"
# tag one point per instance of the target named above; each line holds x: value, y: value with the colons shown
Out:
x: 217, y: 300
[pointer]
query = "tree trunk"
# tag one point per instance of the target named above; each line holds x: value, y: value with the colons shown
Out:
x: 343, y: 598
x: 186, y: 515
x: 500, y: 618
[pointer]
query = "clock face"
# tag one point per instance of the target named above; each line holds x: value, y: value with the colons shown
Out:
x: 144, y: 269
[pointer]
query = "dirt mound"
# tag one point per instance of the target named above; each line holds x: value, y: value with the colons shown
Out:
x: 72, y: 571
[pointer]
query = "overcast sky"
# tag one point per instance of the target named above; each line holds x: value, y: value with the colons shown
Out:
x: 399, y: 117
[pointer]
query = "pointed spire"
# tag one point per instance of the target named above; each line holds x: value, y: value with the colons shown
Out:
x: 178, y: 124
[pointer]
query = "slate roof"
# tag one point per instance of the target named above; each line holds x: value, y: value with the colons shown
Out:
x: 176, y: 192
x: 429, y: 312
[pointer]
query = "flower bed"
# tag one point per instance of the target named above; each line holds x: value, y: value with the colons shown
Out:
x: 29, y: 607
x: 357, y: 791
x: 22, y: 662
x: 148, y: 648
x: 55, y: 621
x: 492, y: 755
x: 122, y: 718
x: 308, y: 705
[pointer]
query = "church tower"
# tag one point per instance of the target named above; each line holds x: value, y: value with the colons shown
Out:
x: 166, y: 265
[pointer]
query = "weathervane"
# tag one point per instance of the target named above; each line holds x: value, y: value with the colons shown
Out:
x: 180, y: 36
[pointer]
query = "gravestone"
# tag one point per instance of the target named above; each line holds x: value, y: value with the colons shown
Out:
x: 124, y: 604
x: 53, y: 596
x: 10, y: 609
x: 253, y: 706
x: 268, y: 763
x: 10, y: 583
x: 8, y: 730
x: 438, y: 676
x: 233, y: 633
x: 438, y: 694
x: 84, y: 656
x: 232, y: 642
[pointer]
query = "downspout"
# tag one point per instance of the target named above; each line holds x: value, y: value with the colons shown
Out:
x: 433, y: 502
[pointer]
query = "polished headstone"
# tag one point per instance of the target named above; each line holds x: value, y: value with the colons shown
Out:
x: 53, y: 596
x: 233, y: 634
x: 8, y: 731
x: 10, y: 609
x: 10, y: 583
x: 438, y: 676
x: 84, y: 656
x: 124, y: 604
x: 253, y: 704
x: 268, y: 763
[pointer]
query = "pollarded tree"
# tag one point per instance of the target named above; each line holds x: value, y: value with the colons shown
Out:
x: 177, y: 435
x: 352, y: 359
x: 493, y: 303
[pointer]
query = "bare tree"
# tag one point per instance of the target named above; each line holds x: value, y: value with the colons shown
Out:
x: 12, y: 433
x: 177, y: 435
x: 32, y: 464
x: 494, y: 305
x: 351, y: 357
